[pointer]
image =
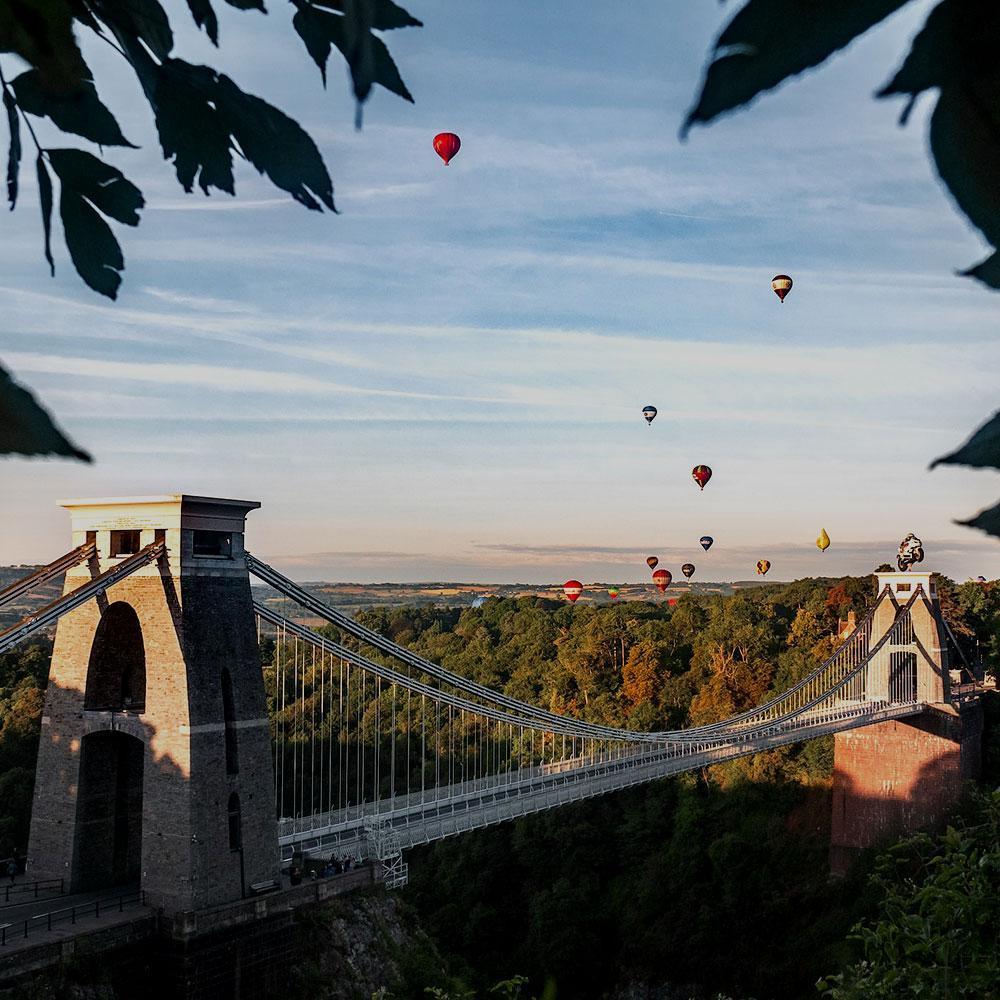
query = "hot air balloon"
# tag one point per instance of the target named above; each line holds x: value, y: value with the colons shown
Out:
x: 446, y: 145
x: 701, y: 474
x: 649, y: 412
x: 782, y: 285
x: 980, y: 579
x: 671, y: 601
x: 763, y: 565
x: 823, y: 542
x: 572, y: 589
x: 613, y: 593
x: 688, y: 570
x: 662, y: 578
x: 706, y: 542
x: 652, y: 561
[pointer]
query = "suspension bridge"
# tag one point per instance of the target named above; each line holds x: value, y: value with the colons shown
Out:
x: 160, y: 762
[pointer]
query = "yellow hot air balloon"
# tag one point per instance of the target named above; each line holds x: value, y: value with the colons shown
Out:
x: 823, y: 542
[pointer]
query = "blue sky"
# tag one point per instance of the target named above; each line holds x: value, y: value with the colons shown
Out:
x: 445, y: 380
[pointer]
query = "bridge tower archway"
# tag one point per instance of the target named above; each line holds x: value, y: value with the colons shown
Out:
x: 108, y: 846
x: 155, y: 692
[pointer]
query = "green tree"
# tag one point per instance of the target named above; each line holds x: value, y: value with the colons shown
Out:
x: 937, y: 931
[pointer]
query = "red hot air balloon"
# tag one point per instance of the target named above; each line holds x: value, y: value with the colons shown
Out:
x: 572, y: 589
x: 671, y: 601
x: 662, y: 580
x: 782, y: 285
x: 701, y: 474
x: 652, y: 561
x: 446, y: 145
x: 763, y: 565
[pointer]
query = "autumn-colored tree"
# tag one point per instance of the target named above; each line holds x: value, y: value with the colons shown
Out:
x: 642, y: 674
x: 737, y: 682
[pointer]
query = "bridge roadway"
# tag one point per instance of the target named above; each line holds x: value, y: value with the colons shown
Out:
x: 420, y: 818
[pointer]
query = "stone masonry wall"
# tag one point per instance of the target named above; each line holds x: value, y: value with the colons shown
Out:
x: 897, y: 777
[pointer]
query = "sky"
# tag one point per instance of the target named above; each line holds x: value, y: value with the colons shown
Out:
x: 444, y: 380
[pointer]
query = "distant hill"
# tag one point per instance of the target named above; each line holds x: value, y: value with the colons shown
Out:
x: 351, y: 597
x: 16, y: 610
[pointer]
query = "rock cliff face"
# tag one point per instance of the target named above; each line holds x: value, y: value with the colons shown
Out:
x: 356, y: 947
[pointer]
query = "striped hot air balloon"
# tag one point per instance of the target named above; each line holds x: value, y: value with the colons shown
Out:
x: 572, y: 589
x: 662, y: 578
x: 613, y: 593
x: 782, y: 285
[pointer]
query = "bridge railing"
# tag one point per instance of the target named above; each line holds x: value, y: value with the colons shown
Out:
x: 18, y: 892
x: 20, y: 929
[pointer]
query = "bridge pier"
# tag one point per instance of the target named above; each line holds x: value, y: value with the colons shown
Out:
x: 897, y: 777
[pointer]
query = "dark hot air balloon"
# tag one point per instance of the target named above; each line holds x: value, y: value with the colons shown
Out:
x: 446, y: 145
x: 572, y: 589
x: 649, y: 412
x: 782, y: 285
x: 688, y: 570
x: 701, y: 474
x: 706, y: 542
x: 763, y: 565
x: 662, y: 578
x: 652, y: 561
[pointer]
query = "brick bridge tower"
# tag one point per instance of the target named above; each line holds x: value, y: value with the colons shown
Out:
x: 154, y: 765
x: 896, y: 777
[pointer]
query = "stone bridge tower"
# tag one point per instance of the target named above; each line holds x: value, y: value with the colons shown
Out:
x: 903, y: 775
x: 154, y: 766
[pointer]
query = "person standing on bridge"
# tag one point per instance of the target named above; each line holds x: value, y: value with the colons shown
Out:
x: 12, y: 870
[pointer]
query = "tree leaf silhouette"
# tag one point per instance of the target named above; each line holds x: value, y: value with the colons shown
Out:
x: 768, y: 41
x: 986, y: 271
x: 965, y: 141
x: 80, y: 112
x: 982, y: 450
x: 275, y: 144
x: 366, y: 54
x: 956, y: 45
x: 45, y: 201
x: 14, y: 153
x: 139, y: 19
x: 26, y: 428
x: 986, y: 520
x: 384, y: 14
x: 86, y: 182
x: 190, y: 127
x: 204, y: 16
